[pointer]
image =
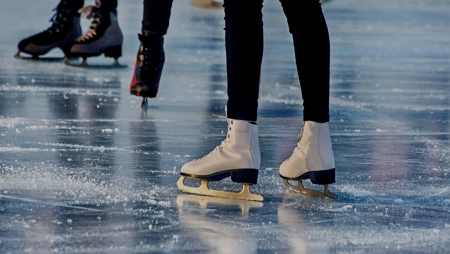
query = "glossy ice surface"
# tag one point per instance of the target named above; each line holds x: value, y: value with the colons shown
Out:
x: 84, y: 169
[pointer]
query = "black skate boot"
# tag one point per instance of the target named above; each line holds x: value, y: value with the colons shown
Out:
x: 103, y: 37
x: 64, y: 30
x: 148, y: 68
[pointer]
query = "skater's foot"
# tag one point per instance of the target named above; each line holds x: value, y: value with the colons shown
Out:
x: 64, y: 30
x: 148, y: 67
x: 237, y: 157
x: 103, y: 37
x: 312, y: 159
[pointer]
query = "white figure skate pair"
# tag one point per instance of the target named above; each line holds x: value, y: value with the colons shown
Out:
x: 239, y: 157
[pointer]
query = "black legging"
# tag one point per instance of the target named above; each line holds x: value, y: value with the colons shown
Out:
x: 156, y: 16
x: 244, y: 49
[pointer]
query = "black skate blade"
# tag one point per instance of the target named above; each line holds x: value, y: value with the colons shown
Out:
x: 36, y: 58
x: 84, y: 64
x: 42, y: 59
x: 144, y: 104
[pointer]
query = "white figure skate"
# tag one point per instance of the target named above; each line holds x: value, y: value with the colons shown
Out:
x: 237, y: 157
x: 312, y: 159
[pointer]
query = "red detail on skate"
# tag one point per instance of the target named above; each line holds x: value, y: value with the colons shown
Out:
x: 134, y: 81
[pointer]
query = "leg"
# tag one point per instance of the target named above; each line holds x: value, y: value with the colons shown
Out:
x: 156, y: 16
x: 110, y: 3
x: 313, y: 157
x: 244, y: 49
x: 150, y: 58
x: 238, y: 156
x: 312, y: 52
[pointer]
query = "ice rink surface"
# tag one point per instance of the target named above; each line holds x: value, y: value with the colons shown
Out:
x: 84, y: 169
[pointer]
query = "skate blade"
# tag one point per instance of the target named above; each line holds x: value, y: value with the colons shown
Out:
x: 38, y: 59
x: 84, y: 64
x: 144, y: 104
x: 204, y: 201
x: 300, y: 189
x: 206, y: 191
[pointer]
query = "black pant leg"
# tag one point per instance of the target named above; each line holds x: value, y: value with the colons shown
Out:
x: 312, y: 52
x: 244, y: 50
x: 156, y: 16
x: 109, y: 3
x: 75, y: 3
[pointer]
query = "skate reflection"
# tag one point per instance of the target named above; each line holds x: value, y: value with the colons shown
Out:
x: 187, y: 201
x: 216, y: 223
x: 296, y: 227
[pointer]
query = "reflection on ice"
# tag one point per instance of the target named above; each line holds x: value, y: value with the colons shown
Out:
x: 224, y: 234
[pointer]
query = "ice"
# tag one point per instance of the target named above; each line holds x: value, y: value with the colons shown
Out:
x: 84, y: 170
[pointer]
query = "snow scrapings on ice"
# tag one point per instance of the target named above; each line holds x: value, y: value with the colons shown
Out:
x: 344, y: 208
x: 100, y: 91
x: 357, y: 192
x: 65, y: 147
x: 273, y: 99
x: 13, y: 122
x: 110, y: 130
x: 80, y: 186
x: 47, y: 123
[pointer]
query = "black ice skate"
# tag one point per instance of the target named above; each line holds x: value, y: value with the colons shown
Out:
x: 148, y: 67
x: 64, y: 30
x: 103, y: 37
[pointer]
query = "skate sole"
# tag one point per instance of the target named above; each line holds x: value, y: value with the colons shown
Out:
x: 114, y: 52
x: 245, y: 176
x: 244, y: 194
x: 42, y: 59
x: 37, y: 58
x: 317, y: 177
x: 143, y: 94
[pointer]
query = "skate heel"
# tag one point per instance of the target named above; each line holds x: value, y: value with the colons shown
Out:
x: 248, y: 176
x: 322, y: 177
x: 114, y: 52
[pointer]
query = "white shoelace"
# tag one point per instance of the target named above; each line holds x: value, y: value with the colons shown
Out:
x: 90, y: 11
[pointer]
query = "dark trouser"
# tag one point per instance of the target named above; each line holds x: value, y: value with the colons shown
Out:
x: 79, y: 3
x: 244, y: 49
x: 156, y: 16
